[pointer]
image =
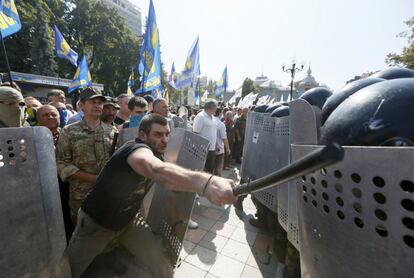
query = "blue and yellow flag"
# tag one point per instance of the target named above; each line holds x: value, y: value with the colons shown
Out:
x: 197, y: 93
x: 131, y: 82
x: 9, y: 18
x: 149, y: 66
x: 62, y: 48
x: 191, y: 68
x: 221, y: 85
x: 173, y: 77
x: 82, y: 77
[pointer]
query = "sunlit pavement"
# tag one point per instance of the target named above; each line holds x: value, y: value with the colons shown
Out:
x: 225, y: 244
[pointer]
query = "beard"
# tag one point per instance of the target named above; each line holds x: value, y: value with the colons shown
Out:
x: 154, y: 148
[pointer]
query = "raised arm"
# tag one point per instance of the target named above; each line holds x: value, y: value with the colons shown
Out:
x: 217, y: 190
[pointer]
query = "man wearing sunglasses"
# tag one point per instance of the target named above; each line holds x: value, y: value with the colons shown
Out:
x: 12, y: 107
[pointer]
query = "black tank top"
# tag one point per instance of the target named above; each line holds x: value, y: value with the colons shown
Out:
x: 117, y: 194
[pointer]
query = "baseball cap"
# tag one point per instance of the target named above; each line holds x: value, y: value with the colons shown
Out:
x: 91, y: 93
x: 110, y: 101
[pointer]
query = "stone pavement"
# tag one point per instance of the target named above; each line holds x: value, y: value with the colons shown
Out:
x: 225, y: 244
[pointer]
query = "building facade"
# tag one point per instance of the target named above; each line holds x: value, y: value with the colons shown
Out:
x: 129, y: 12
x: 39, y: 86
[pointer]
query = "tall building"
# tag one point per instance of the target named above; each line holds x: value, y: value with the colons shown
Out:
x: 129, y: 12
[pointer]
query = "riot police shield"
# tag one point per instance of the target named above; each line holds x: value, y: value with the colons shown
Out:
x: 250, y: 164
x: 127, y: 134
x: 170, y: 211
x: 304, y: 126
x: 32, y: 235
x: 356, y: 217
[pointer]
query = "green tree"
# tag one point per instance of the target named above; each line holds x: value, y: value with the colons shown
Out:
x: 31, y: 49
x: 111, y: 47
x: 406, y: 58
x: 88, y: 26
x: 248, y: 87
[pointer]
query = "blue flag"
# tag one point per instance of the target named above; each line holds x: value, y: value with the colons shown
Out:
x: 9, y: 18
x: 197, y: 93
x: 149, y: 66
x: 62, y: 48
x: 173, y: 77
x: 131, y: 82
x: 191, y: 68
x: 221, y: 85
x: 82, y: 77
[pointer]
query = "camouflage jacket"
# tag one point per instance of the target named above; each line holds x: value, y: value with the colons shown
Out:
x: 82, y: 148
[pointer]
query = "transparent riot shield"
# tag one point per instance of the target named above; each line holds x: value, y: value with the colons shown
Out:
x: 273, y: 154
x: 32, y: 235
x: 304, y: 127
x: 127, y: 134
x: 356, y: 217
x: 170, y: 211
x: 251, y: 161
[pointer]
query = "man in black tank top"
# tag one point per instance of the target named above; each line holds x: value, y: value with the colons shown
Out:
x: 109, y: 210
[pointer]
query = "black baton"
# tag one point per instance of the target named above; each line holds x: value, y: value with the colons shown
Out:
x: 315, y: 160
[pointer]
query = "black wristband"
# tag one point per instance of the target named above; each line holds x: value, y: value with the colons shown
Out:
x: 205, y: 186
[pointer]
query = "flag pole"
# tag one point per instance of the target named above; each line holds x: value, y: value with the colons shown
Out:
x: 7, y: 59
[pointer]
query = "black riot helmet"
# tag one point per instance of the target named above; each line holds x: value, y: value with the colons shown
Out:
x: 282, y: 111
x: 317, y: 96
x: 261, y: 108
x: 273, y: 107
x: 339, y: 96
x: 381, y: 114
x: 394, y: 73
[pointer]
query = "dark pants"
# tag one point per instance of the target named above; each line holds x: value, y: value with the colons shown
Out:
x: 238, y: 150
x: 219, y: 164
x: 210, y: 162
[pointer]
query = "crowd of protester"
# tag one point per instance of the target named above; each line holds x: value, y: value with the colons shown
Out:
x: 85, y: 135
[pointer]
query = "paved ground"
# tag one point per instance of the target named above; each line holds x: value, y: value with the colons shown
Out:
x: 225, y: 244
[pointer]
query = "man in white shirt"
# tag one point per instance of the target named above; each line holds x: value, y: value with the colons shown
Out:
x: 205, y: 125
x: 222, y: 144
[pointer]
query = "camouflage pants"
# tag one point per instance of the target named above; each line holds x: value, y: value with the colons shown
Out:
x: 90, y: 239
x: 74, y: 205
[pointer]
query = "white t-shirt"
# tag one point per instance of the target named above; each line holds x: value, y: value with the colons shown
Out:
x: 221, y: 135
x: 206, y: 126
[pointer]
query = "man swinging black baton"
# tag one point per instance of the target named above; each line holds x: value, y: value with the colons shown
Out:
x: 109, y: 210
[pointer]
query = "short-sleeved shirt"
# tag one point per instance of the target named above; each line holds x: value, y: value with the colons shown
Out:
x: 206, y: 126
x: 82, y: 148
x: 221, y: 135
x: 118, y: 192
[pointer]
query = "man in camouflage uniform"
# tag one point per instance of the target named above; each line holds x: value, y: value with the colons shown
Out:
x: 83, y: 149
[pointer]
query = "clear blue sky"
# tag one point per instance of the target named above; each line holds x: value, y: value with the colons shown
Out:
x: 340, y: 38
